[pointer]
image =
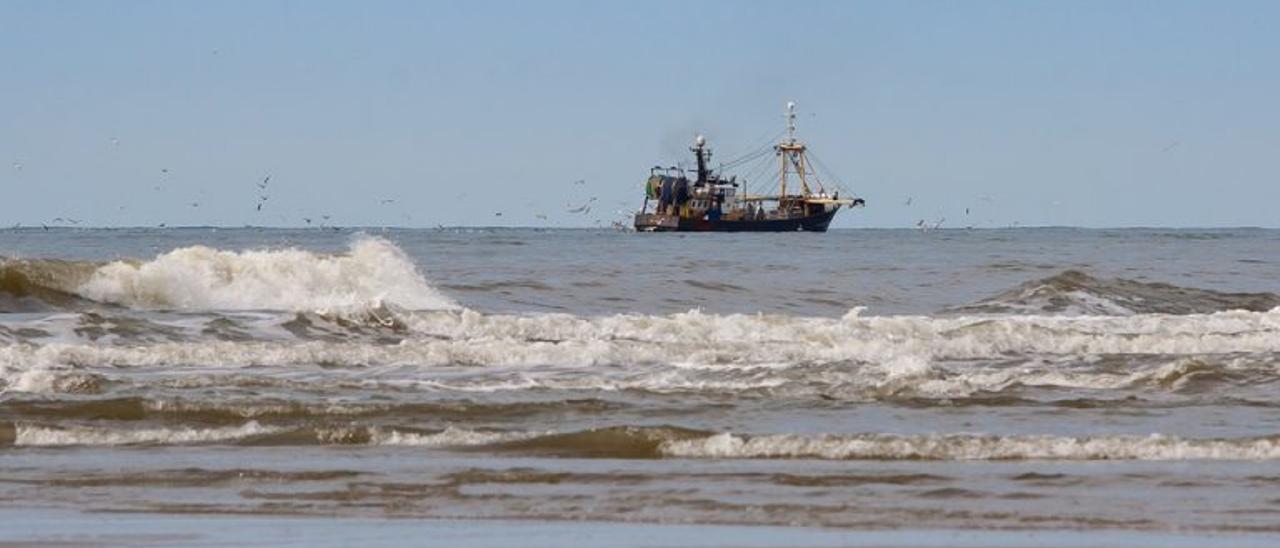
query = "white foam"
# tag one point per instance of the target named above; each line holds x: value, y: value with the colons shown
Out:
x: 38, y: 380
x: 40, y: 436
x: 851, y: 357
x: 373, y: 271
x: 972, y: 447
x: 449, y: 437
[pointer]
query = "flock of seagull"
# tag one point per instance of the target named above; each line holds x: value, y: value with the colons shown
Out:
x: 574, y: 208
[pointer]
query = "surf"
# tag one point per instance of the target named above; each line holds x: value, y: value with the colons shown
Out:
x: 372, y: 271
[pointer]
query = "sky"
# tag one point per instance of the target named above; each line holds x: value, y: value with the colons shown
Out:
x: 983, y: 114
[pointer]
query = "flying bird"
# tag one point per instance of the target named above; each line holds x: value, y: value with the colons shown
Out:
x: 584, y: 208
x: 262, y: 196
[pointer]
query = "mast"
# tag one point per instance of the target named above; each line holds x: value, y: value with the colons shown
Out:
x: 791, y: 152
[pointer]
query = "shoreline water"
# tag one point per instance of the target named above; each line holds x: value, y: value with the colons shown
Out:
x: 59, y: 528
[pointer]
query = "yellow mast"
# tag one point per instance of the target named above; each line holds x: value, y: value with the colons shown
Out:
x: 792, y: 151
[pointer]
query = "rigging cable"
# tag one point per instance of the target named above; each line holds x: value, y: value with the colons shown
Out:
x: 840, y: 185
x: 765, y: 144
x: 758, y: 169
x: 744, y: 159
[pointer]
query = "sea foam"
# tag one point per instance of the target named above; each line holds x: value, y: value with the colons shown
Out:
x: 373, y: 271
x: 971, y: 447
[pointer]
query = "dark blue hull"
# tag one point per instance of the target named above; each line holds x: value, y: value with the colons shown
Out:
x: 649, y: 222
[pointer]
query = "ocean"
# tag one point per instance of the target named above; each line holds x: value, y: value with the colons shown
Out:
x: 1024, y: 381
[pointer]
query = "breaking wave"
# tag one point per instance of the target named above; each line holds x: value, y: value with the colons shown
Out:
x: 851, y: 357
x: 1075, y: 293
x: 42, y: 285
x: 374, y: 273
x: 45, y: 436
x: 655, y: 442
x: 371, y: 272
x: 972, y: 447
x: 690, y: 339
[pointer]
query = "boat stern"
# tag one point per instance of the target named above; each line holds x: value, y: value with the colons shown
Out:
x: 654, y: 222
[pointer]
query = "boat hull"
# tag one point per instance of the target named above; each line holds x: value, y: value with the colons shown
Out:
x: 652, y: 222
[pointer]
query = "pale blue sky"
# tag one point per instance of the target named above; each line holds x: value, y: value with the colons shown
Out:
x: 1109, y: 113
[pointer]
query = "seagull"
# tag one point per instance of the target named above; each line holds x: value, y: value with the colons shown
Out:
x: 164, y: 170
x: 908, y: 202
x: 1170, y: 147
x: 580, y: 182
x: 584, y: 208
x: 388, y: 201
x: 195, y: 204
x: 17, y: 166
x: 263, y: 184
x: 307, y: 219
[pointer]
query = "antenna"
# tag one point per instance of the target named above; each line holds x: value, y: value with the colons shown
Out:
x: 791, y: 122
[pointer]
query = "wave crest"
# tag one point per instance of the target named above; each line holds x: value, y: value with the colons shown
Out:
x: 1072, y: 292
x: 972, y: 447
x: 372, y: 272
x: 657, y: 442
x: 42, y: 284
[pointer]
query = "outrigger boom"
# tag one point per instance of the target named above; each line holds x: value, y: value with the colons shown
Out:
x: 712, y: 203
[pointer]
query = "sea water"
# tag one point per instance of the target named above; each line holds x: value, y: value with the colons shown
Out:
x: 861, y: 380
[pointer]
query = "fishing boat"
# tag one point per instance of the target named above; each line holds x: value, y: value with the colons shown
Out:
x: 714, y: 202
